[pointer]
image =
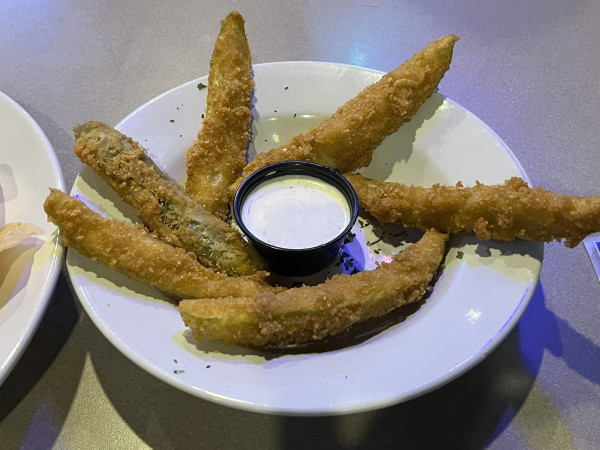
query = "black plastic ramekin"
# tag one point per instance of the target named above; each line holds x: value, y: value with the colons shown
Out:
x: 293, y: 261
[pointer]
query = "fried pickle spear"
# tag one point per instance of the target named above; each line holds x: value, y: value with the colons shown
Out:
x: 500, y: 212
x: 133, y: 251
x: 219, y: 153
x: 161, y: 203
x: 346, y: 140
x: 310, y: 313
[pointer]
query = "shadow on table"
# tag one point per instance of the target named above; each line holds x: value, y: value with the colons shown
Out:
x: 52, y: 334
x: 469, y: 412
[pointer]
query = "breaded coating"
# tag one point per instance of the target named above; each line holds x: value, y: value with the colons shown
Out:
x: 346, y: 140
x: 133, y: 251
x: 310, y: 313
x: 162, y: 204
x: 500, y: 212
x: 218, y: 155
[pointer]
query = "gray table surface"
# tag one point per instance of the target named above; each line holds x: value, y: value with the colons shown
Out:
x: 527, y: 69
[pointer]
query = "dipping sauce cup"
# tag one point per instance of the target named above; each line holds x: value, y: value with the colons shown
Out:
x: 296, y: 214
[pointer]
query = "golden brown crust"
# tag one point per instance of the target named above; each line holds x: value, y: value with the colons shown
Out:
x: 309, y: 313
x: 346, y: 140
x: 160, y: 203
x: 500, y: 212
x: 133, y: 251
x: 219, y: 153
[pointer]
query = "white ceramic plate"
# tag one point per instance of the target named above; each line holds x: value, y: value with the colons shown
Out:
x: 28, y: 273
x: 474, y: 304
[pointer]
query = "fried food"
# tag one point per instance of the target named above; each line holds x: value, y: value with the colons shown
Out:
x: 13, y: 233
x: 218, y: 155
x: 161, y: 203
x: 133, y: 251
x: 310, y: 313
x: 500, y: 212
x: 346, y: 140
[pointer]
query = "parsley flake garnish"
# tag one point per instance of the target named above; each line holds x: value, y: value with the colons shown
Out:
x: 201, y: 86
x: 460, y: 254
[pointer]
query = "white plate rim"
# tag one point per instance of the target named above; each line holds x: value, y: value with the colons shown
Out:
x: 38, y: 301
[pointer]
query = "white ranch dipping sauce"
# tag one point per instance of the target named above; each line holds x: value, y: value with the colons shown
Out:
x: 295, y: 211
